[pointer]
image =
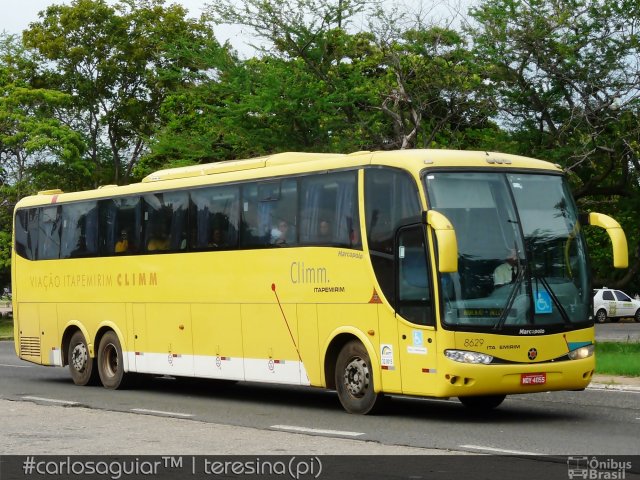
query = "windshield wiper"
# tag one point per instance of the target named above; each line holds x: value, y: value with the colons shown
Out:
x: 512, y: 297
x: 556, y: 300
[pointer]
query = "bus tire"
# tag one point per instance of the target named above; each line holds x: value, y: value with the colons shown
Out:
x: 81, y: 365
x: 482, y: 403
x: 110, y: 362
x: 354, y: 380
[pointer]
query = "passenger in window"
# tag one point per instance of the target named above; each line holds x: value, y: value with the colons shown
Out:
x: 122, y: 245
x: 279, y: 234
x: 158, y: 242
x: 506, y: 272
x: 81, y: 247
x: 324, y: 232
x: 217, y: 239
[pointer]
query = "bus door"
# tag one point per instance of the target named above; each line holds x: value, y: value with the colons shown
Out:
x: 415, y: 312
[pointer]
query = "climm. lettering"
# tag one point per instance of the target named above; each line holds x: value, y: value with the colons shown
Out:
x: 301, y: 274
x: 139, y: 279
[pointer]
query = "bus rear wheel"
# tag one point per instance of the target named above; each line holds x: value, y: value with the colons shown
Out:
x: 110, y: 361
x: 81, y: 365
x: 354, y: 380
x: 482, y: 403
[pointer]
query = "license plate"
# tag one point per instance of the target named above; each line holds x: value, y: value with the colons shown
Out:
x: 533, y: 379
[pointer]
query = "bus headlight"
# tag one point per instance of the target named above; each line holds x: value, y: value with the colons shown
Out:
x: 582, y: 352
x: 465, y: 356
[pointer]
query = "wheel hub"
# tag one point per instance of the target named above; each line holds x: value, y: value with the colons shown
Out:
x: 110, y: 360
x: 356, y: 377
x: 79, y: 357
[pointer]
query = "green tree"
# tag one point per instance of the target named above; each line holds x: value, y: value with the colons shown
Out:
x: 118, y: 63
x: 567, y: 82
x: 32, y: 140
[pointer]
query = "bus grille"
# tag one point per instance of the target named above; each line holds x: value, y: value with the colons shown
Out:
x: 30, y: 346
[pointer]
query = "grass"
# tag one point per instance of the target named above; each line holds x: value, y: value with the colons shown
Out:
x: 6, y: 328
x: 618, y: 358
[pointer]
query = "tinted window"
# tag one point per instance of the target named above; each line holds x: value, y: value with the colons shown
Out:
x: 623, y: 297
x: 390, y: 196
x: 26, y: 232
x: 120, y: 225
x: 414, y: 294
x: 165, y: 221
x: 79, y: 230
x: 329, y: 209
x: 49, y: 233
x: 607, y: 295
x: 215, y: 217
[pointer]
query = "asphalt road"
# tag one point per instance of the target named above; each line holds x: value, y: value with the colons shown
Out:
x: 561, y: 423
x: 626, y: 330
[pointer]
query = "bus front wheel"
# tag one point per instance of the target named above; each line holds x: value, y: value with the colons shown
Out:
x: 482, y: 403
x: 110, y: 362
x: 354, y: 380
x: 81, y: 365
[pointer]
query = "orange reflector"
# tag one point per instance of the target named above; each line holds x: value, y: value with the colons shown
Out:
x: 375, y: 298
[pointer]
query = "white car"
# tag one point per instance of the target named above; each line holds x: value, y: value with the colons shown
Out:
x: 614, y: 305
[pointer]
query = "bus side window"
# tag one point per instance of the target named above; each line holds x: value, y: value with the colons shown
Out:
x: 329, y: 210
x: 390, y: 196
x: 255, y: 228
x: 26, y: 231
x: 79, y: 230
x: 49, y: 233
x: 215, y: 217
x: 414, y: 290
x: 120, y: 225
x: 165, y: 221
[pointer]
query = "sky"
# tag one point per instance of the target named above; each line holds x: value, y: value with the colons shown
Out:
x: 16, y: 15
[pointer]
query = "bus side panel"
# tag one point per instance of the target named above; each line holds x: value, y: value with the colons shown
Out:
x: 268, y: 339
x: 308, y: 342
x: 169, y: 339
x: 50, y: 353
x: 28, y: 331
x: 388, y: 327
x: 137, y: 358
x: 217, y: 341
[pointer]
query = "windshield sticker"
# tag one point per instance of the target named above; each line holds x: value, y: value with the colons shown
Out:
x: 543, y: 302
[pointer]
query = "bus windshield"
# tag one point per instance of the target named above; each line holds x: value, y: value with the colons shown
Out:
x: 522, y: 260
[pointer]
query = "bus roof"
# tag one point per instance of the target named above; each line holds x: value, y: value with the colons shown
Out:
x: 287, y: 163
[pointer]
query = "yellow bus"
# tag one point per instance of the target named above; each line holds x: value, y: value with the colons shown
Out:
x: 419, y: 272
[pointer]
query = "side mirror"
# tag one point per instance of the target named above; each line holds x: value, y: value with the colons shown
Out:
x: 616, y: 234
x: 446, y: 238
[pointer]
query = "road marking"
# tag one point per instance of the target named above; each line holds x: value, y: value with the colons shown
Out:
x: 14, y: 366
x: 160, y: 412
x: 50, y: 400
x: 292, y: 428
x: 497, y: 450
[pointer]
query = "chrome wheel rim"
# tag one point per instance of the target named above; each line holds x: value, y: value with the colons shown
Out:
x: 79, y: 357
x: 357, y: 377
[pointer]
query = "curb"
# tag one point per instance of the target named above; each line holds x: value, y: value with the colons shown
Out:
x: 616, y: 387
